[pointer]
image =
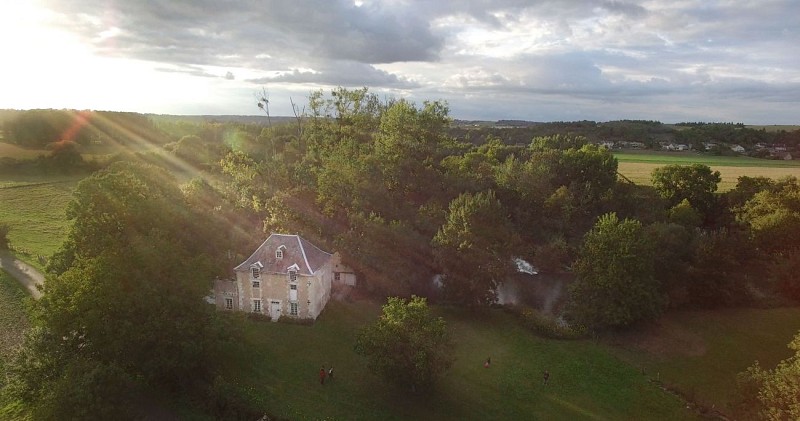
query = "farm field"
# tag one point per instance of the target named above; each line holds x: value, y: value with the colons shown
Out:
x: 276, y: 365
x: 700, y: 353
x: 774, y: 127
x: 8, y: 150
x: 638, y: 166
x: 35, y: 207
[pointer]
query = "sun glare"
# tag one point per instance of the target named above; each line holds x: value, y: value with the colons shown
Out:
x: 41, y: 61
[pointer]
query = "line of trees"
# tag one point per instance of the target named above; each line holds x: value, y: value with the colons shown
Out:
x: 123, y: 316
x: 36, y: 129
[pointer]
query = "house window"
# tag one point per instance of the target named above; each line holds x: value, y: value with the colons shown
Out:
x: 293, y: 292
x: 229, y: 303
x: 256, y: 306
x: 256, y: 284
x: 337, y: 276
x: 279, y: 254
x: 293, y: 309
x: 292, y: 276
x: 255, y: 271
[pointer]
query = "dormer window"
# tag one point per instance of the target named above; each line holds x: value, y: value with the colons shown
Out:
x: 255, y: 271
x: 292, y: 276
x: 279, y: 252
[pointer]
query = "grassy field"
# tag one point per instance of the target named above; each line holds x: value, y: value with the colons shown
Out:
x: 13, y: 319
x: 34, y: 207
x: 638, y: 166
x: 277, y: 366
x: 8, y: 150
x: 774, y: 127
x: 700, y: 352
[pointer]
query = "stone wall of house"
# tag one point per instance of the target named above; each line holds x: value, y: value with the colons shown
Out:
x: 313, y: 293
x: 226, y: 289
x: 346, y: 276
x: 320, y: 290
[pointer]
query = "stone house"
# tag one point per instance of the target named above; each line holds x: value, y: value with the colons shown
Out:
x: 286, y: 276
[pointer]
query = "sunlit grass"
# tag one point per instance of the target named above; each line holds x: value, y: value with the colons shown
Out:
x: 8, y: 150
x: 684, y: 158
x: 725, y: 343
x: 35, y: 210
x: 276, y: 365
x: 638, y: 167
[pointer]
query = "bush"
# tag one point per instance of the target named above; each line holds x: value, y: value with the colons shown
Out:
x: 224, y: 402
x: 546, y: 326
x: 407, y: 345
x: 295, y: 321
x: 4, y: 230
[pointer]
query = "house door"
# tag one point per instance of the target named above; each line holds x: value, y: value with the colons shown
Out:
x: 275, y: 310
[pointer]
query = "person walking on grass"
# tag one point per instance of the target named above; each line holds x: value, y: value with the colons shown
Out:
x: 546, y: 378
x: 322, y: 375
x: 330, y: 374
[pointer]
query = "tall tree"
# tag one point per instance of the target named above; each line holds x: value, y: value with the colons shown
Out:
x: 695, y: 183
x: 407, y: 345
x: 772, y: 394
x: 773, y: 217
x: 410, y: 143
x: 128, y: 287
x: 474, y: 248
x: 722, y: 261
x: 615, y: 284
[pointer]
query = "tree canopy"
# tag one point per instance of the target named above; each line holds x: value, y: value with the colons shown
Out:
x: 773, y: 394
x: 474, y: 248
x: 615, y: 284
x: 773, y: 217
x: 695, y: 183
x: 126, y: 295
x: 407, y: 345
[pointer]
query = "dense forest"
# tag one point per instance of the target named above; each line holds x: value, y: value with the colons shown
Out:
x: 357, y: 174
x: 405, y: 196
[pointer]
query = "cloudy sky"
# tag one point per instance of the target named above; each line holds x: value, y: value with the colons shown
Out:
x: 539, y: 60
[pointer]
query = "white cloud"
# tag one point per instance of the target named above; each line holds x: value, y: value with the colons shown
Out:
x: 545, y: 59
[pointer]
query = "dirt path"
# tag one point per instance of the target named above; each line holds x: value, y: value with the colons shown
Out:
x: 26, y: 274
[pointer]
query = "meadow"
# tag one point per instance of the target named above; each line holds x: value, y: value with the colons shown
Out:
x: 35, y: 207
x: 638, y: 166
x: 8, y: 150
x: 774, y: 127
x: 275, y: 365
x: 699, y: 353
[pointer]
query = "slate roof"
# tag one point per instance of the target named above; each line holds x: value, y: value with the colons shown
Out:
x: 296, y: 251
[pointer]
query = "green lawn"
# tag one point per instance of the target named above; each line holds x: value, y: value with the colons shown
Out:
x: 35, y: 210
x: 700, y: 352
x: 13, y: 318
x: 277, y: 365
